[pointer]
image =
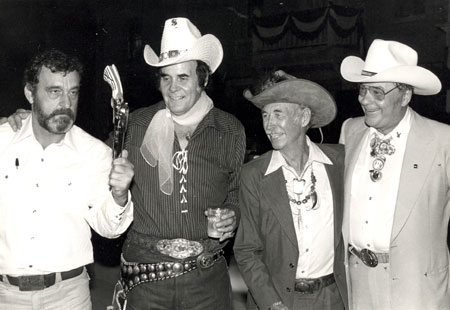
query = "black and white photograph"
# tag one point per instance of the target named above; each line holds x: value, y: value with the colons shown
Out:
x: 224, y: 155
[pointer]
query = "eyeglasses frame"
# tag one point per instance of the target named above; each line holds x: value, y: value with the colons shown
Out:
x: 367, y: 89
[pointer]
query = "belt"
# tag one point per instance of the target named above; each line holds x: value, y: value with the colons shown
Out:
x: 368, y: 257
x: 150, y: 242
x: 309, y: 286
x: 40, y: 282
x: 133, y: 274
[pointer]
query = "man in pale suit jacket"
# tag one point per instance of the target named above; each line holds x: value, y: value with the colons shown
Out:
x: 397, y: 195
x: 289, y: 245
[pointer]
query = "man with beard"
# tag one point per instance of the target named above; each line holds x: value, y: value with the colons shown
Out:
x: 188, y: 156
x: 57, y: 181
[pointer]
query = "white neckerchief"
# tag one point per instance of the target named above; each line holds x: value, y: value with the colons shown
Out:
x: 157, y: 146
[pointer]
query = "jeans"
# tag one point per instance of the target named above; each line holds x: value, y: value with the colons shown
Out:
x: 71, y: 294
x: 200, y: 289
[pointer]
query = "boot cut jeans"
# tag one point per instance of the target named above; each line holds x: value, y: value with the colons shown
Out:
x: 200, y: 289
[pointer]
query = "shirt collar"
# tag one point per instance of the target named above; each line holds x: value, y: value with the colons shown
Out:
x: 400, y: 131
x: 27, y: 132
x: 315, y: 155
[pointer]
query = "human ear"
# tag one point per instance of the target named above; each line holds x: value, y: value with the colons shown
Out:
x: 306, y: 117
x: 28, y: 91
x: 406, y: 97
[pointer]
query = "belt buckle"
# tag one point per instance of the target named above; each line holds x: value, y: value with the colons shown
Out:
x: 205, y: 260
x: 179, y: 248
x: 31, y: 283
x: 369, y: 258
x: 304, y: 287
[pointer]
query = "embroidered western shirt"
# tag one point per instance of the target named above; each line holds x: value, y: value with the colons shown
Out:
x: 208, y: 176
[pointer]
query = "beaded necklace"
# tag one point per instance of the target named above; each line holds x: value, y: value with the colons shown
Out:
x: 308, y: 198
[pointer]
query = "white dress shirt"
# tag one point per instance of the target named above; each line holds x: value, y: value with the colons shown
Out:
x: 372, y: 204
x: 49, y: 198
x: 314, y: 228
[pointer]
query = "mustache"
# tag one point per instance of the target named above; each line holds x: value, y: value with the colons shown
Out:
x: 67, y: 112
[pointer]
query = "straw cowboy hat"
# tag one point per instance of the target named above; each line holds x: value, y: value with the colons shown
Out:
x: 390, y: 61
x: 293, y: 90
x: 182, y: 41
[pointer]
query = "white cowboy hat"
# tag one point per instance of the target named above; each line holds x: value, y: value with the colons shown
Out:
x: 390, y: 61
x: 182, y: 41
x: 293, y: 90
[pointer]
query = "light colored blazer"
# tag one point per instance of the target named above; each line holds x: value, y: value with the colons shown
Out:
x: 266, y: 248
x: 419, y: 255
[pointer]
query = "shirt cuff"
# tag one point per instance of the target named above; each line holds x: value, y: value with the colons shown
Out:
x: 116, y: 211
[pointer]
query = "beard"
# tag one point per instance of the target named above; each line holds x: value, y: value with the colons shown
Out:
x: 57, y: 122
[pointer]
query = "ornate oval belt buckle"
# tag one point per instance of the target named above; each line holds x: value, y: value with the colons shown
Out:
x: 369, y: 258
x: 205, y: 260
x: 179, y: 248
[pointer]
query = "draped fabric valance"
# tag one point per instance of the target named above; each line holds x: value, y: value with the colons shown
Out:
x: 308, y: 25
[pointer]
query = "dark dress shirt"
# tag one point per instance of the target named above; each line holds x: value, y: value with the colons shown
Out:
x: 215, y: 155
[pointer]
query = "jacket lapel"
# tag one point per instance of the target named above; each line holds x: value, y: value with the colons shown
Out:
x: 335, y: 179
x: 416, y: 165
x: 274, y: 194
x: 353, y: 145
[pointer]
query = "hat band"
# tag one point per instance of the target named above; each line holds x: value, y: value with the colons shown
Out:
x: 367, y: 73
x: 171, y: 54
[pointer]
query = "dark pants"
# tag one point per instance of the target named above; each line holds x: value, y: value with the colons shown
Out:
x: 200, y: 289
x: 327, y: 298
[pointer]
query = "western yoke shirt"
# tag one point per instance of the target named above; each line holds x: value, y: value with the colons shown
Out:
x: 314, y: 228
x: 49, y: 198
x: 209, y: 178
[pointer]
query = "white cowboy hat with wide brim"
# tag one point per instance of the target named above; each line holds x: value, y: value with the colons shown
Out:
x: 182, y: 41
x: 390, y: 61
x: 298, y: 91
